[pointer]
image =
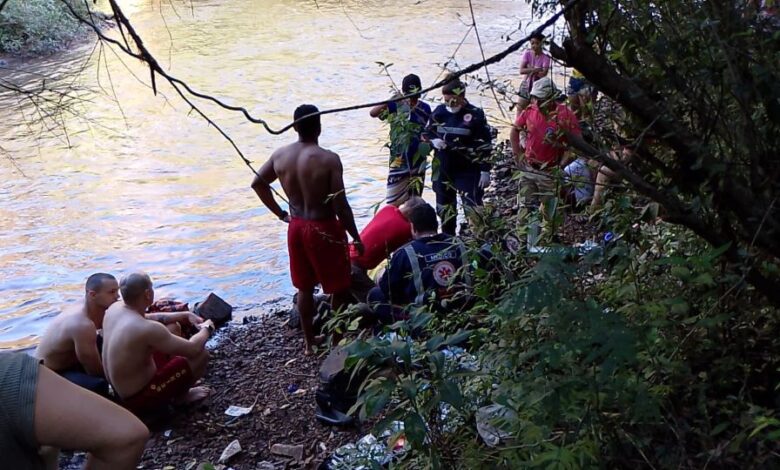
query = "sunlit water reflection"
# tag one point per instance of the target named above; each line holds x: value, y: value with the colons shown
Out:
x: 140, y: 184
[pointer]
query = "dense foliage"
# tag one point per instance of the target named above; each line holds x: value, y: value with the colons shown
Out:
x: 660, y: 348
x: 34, y: 27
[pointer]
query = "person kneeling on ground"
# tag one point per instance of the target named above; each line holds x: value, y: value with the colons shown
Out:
x: 420, y: 272
x: 40, y: 408
x: 147, y: 365
x: 70, y: 346
x: 386, y: 232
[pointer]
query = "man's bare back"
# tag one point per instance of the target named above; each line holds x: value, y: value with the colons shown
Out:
x: 310, y: 176
x: 127, y: 355
x: 59, y: 348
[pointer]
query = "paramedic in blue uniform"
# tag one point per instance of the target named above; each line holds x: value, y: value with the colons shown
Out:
x: 408, y: 156
x: 461, y: 137
x: 422, y: 271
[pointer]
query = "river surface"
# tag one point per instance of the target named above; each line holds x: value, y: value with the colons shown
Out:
x: 120, y: 179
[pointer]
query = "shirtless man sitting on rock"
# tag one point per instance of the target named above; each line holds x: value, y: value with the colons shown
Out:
x: 148, y: 366
x: 311, y: 176
x: 70, y: 344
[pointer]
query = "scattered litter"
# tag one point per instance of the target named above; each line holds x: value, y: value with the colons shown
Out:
x: 265, y: 465
x: 191, y: 465
x: 266, y: 412
x: 168, y: 432
x: 232, y: 449
x: 285, y: 406
x: 292, y: 388
x: 369, y: 452
x: 237, y: 411
x: 299, y: 392
x: 290, y: 361
x: 486, y: 418
x: 294, y: 451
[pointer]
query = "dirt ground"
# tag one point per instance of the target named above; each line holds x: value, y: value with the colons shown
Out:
x: 260, y: 363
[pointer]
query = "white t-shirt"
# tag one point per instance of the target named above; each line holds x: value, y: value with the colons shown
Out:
x: 579, y: 175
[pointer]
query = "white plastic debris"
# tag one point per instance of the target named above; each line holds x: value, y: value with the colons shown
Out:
x: 237, y: 411
x: 232, y: 449
x: 486, y: 418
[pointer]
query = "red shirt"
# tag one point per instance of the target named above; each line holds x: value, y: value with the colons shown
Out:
x: 546, y: 142
x: 387, y: 231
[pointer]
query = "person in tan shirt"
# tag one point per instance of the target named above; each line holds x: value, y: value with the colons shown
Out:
x: 148, y: 366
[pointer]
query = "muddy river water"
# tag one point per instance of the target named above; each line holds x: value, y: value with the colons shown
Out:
x: 120, y: 179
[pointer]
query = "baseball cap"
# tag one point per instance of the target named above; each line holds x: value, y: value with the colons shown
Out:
x: 543, y: 89
x: 411, y: 84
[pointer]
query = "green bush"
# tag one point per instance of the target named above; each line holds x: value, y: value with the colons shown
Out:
x: 36, y: 27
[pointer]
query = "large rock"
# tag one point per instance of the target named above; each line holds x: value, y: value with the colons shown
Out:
x: 214, y: 309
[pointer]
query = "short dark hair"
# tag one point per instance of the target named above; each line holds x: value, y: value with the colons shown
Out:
x: 411, y: 84
x: 423, y: 218
x: 309, y: 126
x: 133, y: 286
x: 538, y: 36
x: 95, y: 281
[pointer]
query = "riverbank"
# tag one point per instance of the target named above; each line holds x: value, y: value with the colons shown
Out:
x: 260, y: 363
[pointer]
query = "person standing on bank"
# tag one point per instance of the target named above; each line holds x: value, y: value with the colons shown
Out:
x: 534, y: 65
x: 408, y: 156
x: 462, y: 138
x: 312, y: 179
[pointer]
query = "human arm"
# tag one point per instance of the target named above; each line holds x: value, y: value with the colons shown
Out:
x: 85, y: 344
x: 262, y: 187
x: 341, y: 205
x: 167, y: 318
x: 160, y: 339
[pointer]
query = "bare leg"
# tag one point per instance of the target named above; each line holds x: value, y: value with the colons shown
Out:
x: 306, y: 310
x: 68, y: 416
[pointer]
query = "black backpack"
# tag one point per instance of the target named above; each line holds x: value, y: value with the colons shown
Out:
x: 336, y: 393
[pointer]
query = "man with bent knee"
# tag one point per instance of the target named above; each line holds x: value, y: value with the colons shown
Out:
x: 70, y: 344
x: 312, y: 179
x: 148, y: 366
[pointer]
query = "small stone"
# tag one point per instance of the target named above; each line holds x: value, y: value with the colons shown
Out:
x: 265, y: 465
x: 293, y: 451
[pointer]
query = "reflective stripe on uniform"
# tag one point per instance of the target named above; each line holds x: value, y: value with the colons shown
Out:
x: 416, y: 274
x: 453, y: 130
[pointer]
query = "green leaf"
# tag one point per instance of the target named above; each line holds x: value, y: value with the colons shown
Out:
x: 457, y: 338
x: 450, y: 393
x: 414, y: 428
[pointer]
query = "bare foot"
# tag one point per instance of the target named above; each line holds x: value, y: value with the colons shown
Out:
x: 308, y: 349
x: 194, y: 395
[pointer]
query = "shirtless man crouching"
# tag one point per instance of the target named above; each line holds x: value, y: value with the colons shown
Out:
x: 312, y: 179
x: 70, y: 344
x: 148, y: 366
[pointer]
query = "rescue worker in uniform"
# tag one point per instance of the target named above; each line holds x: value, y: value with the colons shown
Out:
x: 461, y: 137
x: 422, y: 271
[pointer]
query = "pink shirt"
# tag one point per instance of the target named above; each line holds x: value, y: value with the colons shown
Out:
x: 531, y: 60
x: 546, y: 142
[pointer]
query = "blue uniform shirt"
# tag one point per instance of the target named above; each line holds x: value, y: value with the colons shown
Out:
x: 406, y: 153
x: 468, y: 138
x: 423, y: 268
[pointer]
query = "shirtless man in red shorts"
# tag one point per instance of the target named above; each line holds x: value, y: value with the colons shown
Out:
x: 148, y: 365
x: 311, y: 177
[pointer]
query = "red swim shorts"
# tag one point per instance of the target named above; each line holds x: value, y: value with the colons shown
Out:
x: 172, y: 380
x: 318, y: 254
